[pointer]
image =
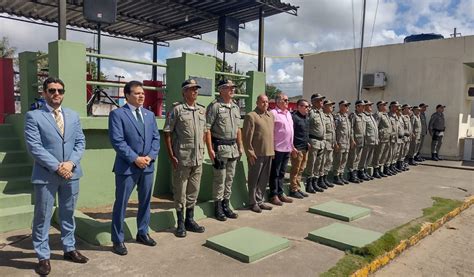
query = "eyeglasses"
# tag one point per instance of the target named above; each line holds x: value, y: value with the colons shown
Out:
x: 59, y: 90
x: 284, y: 100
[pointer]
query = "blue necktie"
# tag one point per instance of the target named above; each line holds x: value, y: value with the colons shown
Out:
x: 140, y: 120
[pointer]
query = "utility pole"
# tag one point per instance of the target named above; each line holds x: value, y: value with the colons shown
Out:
x: 455, y: 34
x: 359, y: 88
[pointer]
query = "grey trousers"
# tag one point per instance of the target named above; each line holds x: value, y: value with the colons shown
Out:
x: 354, y: 158
x: 436, y: 144
x: 186, y: 183
x: 328, y: 160
x: 315, y: 162
x: 414, y: 148
x: 367, y: 156
x: 382, y: 154
x: 422, y: 140
x: 259, y: 173
x: 340, y: 161
x: 222, y: 180
x: 396, y: 151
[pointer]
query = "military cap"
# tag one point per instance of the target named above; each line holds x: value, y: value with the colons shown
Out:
x: 394, y: 103
x: 423, y: 105
x: 360, y: 102
x: 368, y: 102
x: 415, y: 107
x: 189, y: 84
x: 344, y: 102
x: 439, y: 106
x: 328, y: 102
x: 381, y: 102
x: 225, y: 83
x: 317, y: 96
x: 406, y: 106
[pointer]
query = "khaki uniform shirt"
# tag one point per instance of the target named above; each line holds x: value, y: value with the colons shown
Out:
x: 406, y: 127
x: 223, y: 121
x: 397, y: 129
x: 358, y: 127
x: 317, y: 128
x: 384, y: 126
x: 330, y: 135
x: 416, y: 124
x: 187, y: 125
x: 424, y: 127
x: 343, y: 131
x: 371, y: 130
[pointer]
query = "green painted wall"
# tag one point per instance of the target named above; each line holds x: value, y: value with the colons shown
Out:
x: 29, y: 79
x: 255, y: 86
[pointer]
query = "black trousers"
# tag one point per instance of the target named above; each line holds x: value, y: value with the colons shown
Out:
x: 277, y: 172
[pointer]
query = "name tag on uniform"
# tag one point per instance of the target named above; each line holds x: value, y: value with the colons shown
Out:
x: 222, y: 110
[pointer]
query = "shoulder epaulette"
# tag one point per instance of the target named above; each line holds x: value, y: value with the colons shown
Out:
x: 176, y: 104
x: 200, y: 105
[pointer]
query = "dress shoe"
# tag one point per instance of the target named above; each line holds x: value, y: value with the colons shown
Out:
x: 43, y: 267
x: 285, y: 199
x: 75, y: 256
x: 296, y: 194
x: 255, y: 208
x: 146, y: 240
x: 264, y: 206
x: 303, y: 193
x: 119, y: 248
x: 276, y: 201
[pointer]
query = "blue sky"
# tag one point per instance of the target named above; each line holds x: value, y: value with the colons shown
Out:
x: 321, y: 25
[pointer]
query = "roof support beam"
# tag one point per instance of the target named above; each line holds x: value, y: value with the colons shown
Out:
x: 62, y: 21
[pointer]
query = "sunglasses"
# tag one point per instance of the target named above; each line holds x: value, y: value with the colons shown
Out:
x: 54, y: 90
x: 284, y: 100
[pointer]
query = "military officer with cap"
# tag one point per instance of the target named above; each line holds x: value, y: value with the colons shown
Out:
x: 185, y: 141
x: 371, y: 140
x: 382, y: 151
x: 436, y: 128
x: 358, y: 124
x: 224, y: 145
x: 343, y: 142
x: 330, y: 140
x: 396, y: 138
x: 424, y: 131
x: 416, y: 131
x: 317, y: 131
x: 407, y: 135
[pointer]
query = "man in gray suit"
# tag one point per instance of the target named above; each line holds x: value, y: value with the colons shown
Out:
x: 54, y: 139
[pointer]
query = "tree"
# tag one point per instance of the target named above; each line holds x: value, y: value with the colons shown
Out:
x: 91, y: 68
x: 5, y: 50
x: 271, y: 91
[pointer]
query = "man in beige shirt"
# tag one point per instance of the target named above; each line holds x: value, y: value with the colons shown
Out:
x: 257, y: 136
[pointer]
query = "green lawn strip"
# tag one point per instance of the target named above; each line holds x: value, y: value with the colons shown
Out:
x: 359, y: 257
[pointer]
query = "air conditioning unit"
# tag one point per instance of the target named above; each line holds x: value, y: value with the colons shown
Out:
x: 374, y: 80
x: 470, y: 92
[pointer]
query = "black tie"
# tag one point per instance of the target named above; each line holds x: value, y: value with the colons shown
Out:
x: 140, y: 120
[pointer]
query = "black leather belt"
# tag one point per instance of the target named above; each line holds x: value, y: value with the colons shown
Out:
x: 218, y: 141
x: 316, y: 137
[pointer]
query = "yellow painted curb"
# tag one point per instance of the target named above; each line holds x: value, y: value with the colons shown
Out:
x: 426, y: 230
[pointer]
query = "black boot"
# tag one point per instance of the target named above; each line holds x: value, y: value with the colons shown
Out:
x: 219, y: 213
x: 434, y: 157
x: 376, y: 173
x: 326, y: 182
x: 320, y: 183
x: 386, y: 171
x: 344, y: 179
x: 411, y: 161
x: 437, y: 156
x: 362, y: 176
x: 227, y: 210
x: 180, y: 229
x: 190, y: 224
x: 309, y: 186
x: 367, y: 175
x: 383, y: 175
x: 338, y: 181
x: 314, y: 184
x: 394, y: 168
x: 353, y: 177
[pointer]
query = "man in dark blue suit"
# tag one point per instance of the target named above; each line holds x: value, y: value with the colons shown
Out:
x: 55, y: 140
x: 134, y: 136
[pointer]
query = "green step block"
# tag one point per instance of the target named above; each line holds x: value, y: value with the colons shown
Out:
x: 14, y: 156
x: 247, y: 244
x: 15, y: 200
x: 16, y: 218
x: 7, y: 144
x: 341, y: 211
x: 15, y: 170
x: 7, y: 131
x: 16, y: 184
x: 343, y: 237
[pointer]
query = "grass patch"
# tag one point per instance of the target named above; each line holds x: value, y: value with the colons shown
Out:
x: 359, y: 257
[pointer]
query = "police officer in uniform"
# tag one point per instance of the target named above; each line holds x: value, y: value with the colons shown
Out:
x: 424, y: 131
x: 407, y: 135
x: 316, y: 141
x: 396, y: 137
x: 330, y: 140
x: 343, y: 142
x: 371, y: 140
x: 382, y: 151
x: 224, y: 145
x: 185, y: 141
x: 358, y: 133
x: 436, y: 128
x: 416, y: 139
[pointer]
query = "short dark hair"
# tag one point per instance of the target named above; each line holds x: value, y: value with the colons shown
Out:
x: 128, y: 86
x: 52, y: 80
x: 300, y: 101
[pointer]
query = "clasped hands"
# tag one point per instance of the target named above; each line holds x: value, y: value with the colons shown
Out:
x: 143, y: 162
x: 65, y: 170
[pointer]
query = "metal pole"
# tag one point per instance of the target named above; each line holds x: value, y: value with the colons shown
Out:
x: 223, y: 61
x: 154, y: 72
x: 359, y: 90
x: 62, y: 19
x: 98, y: 51
x: 261, y: 32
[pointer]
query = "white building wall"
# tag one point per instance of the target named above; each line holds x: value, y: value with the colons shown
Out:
x: 433, y: 72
